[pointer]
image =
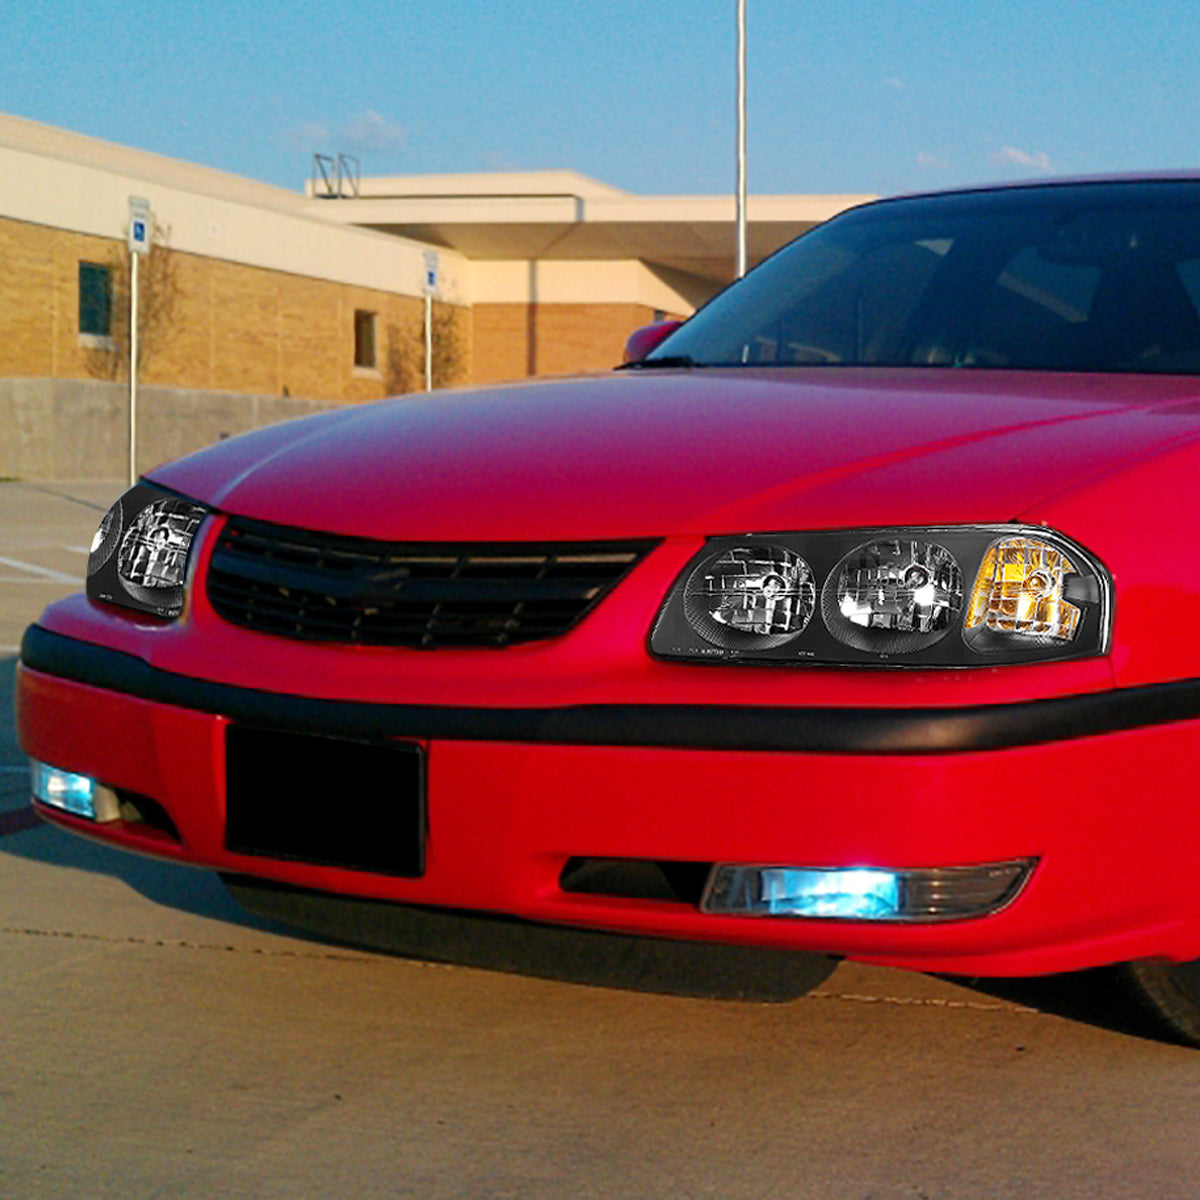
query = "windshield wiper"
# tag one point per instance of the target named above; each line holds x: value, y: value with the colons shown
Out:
x: 667, y: 360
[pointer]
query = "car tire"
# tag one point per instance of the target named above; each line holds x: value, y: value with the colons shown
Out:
x: 1170, y: 994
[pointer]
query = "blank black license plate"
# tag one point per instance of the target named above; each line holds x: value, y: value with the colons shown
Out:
x: 327, y: 801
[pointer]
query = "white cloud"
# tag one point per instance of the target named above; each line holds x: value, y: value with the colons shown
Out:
x: 895, y: 83
x: 312, y: 135
x: 369, y: 132
x: 366, y: 132
x: 1010, y: 156
x: 931, y: 160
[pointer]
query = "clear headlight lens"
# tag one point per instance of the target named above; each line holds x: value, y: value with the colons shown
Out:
x: 923, y: 597
x: 893, y: 595
x: 154, y: 549
x: 107, y: 535
x: 751, y: 596
x: 140, y: 552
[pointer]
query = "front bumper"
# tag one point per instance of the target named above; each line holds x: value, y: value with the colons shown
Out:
x: 513, y: 795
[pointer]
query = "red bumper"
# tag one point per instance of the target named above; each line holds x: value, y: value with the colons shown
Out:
x: 1109, y: 818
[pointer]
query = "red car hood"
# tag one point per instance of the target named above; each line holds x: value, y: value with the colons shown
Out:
x: 655, y: 453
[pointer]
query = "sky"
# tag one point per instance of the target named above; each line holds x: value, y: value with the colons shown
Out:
x: 844, y: 96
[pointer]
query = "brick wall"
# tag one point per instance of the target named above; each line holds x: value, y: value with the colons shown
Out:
x: 237, y: 328
x: 39, y: 299
x: 230, y: 327
x: 512, y: 341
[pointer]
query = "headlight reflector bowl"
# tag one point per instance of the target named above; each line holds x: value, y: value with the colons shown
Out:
x: 893, y: 595
x: 154, y: 549
x: 758, y: 596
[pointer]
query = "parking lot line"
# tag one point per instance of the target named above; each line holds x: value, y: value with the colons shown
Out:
x: 44, y: 572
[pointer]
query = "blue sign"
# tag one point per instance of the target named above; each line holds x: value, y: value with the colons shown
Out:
x: 140, y: 228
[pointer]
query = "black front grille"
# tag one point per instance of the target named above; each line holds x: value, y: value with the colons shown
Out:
x: 325, y: 587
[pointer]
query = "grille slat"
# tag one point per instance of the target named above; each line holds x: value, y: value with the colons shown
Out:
x: 310, y: 586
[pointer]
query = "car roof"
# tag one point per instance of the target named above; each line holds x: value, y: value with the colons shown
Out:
x: 1055, y: 181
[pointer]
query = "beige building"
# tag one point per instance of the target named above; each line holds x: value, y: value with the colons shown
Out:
x: 302, y: 300
x: 562, y: 268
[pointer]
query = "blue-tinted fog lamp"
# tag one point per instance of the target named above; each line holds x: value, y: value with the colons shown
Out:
x: 865, y: 893
x: 79, y: 795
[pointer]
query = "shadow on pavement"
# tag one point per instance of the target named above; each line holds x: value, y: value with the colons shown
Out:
x: 10, y: 753
x: 1097, y: 997
x: 183, y: 889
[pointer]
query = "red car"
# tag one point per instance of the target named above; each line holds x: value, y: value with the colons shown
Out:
x: 860, y: 617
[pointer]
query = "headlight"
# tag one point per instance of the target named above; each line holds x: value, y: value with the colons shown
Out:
x: 140, y: 552
x: 893, y: 595
x: 927, y: 597
x: 745, y: 597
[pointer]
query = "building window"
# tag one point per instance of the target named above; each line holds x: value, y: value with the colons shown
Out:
x: 364, y: 338
x: 95, y: 299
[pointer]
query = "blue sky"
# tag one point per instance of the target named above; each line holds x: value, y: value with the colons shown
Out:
x: 844, y: 96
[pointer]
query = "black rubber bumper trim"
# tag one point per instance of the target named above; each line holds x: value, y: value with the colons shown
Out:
x: 676, y: 726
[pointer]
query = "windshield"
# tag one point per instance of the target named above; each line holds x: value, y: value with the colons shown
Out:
x: 1086, y: 277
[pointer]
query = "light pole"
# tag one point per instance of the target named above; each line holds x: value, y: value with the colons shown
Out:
x: 140, y: 224
x: 430, y: 289
x: 741, y: 139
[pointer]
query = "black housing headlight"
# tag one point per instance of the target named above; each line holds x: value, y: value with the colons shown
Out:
x: 921, y: 597
x: 140, y: 552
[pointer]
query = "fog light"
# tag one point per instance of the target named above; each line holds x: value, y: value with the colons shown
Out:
x: 865, y: 893
x: 79, y: 795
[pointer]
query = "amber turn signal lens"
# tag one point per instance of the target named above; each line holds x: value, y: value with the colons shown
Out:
x: 1020, y: 590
